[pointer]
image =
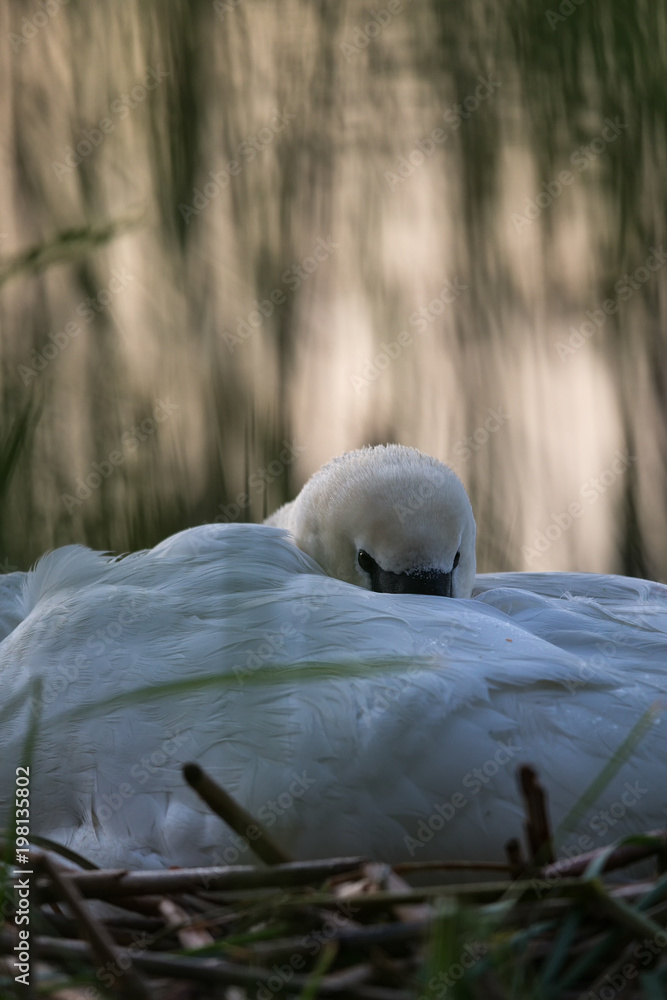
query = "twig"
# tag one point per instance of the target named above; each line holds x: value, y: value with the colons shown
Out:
x: 206, y: 970
x: 384, y: 878
x: 114, y: 885
x: 235, y: 816
x: 178, y: 921
x: 517, y: 862
x: 538, y: 829
x: 409, y: 867
x: 103, y: 947
x: 626, y: 854
x: 382, y: 935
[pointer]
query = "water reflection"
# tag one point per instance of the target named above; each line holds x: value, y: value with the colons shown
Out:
x: 235, y: 228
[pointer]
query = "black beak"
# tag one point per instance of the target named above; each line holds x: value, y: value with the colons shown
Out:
x: 434, y: 582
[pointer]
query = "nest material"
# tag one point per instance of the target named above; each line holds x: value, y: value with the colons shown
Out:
x: 346, y: 926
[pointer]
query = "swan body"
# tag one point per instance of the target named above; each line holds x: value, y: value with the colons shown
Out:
x: 346, y: 720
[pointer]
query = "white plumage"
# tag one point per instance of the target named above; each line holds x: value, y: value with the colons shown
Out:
x: 347, y: 721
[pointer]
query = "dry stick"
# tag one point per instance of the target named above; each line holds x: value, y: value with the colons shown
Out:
x: 409, y: 867
x: 538, y: 829
x: 382, y: 993
x: 99, y: 885
x: 144, y: 906
x: 235, y: 816
x: 102, y: 944
x: 387, y: 880
x: 482, y: 892
x: 358, y: 937
x: 206, y: 970
x: 517, y: 862
x: 119, y: 927
x: 178, y: 921
x: 624, y: 855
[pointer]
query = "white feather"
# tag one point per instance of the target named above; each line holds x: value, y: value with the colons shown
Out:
x: 347, y: 721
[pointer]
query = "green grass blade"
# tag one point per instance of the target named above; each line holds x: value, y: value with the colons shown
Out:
x: 269, y: 676
x: 322, y: 966
x: 561, y: 950
x: 607, y: 774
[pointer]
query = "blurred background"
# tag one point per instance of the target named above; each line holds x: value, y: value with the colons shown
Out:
x: 240, y: 237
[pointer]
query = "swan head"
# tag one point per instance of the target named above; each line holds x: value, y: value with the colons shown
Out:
x: 389, y: 519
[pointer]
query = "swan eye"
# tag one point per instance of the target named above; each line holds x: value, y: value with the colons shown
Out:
x: 366, y: 562
x: 457, y: 559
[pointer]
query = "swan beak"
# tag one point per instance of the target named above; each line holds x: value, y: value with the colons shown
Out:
x: 434, y: 582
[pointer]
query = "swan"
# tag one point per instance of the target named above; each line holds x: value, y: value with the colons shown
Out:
x: 315, y: 667
x: 389, y: 519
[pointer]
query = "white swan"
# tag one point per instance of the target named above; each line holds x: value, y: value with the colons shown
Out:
x: 389, y: 519
x: 347, y: 721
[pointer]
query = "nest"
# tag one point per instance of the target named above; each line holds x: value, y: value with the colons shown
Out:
x: 344, y: 927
